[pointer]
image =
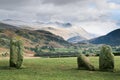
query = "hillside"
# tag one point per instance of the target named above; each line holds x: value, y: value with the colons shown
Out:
x: 112, y: 38
x: 31, y: 38
x: 76, y: 39
x: 68, y: 33
x: 65, y: 30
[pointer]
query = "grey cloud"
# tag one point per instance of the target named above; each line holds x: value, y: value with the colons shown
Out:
x: 18, y: 4
x: 92, y: 13
x: 60, y: 2
x: 62, y: 10
x: 44, y: 16
x: 11, y: 4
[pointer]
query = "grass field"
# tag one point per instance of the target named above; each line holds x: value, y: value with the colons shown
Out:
x: 56, y: 69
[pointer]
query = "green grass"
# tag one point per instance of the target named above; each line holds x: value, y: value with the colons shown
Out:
x: 56, y: 69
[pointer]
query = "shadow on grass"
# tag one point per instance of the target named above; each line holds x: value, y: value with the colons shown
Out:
x: 9, y: 68
x: 5, y: 68
x: 96, y: 70
x: 84, y: 69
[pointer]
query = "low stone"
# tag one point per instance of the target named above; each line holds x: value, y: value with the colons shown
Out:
x: 84, y: 63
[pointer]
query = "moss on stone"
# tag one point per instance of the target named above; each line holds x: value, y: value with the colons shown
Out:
x: 16, y: 53
x: 106, y: 58
x: 84, y: 63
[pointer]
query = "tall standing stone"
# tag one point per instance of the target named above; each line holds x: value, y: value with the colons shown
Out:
x: 20, y: 54
x: 16, y: 53
x: 106, y: 59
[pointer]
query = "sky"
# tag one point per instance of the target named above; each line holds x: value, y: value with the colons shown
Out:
x: 95, y: 16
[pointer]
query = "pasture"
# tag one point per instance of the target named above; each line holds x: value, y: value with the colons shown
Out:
x: 56, y: 69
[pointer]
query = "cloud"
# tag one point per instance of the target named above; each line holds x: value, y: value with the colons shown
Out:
x: 115, y: 1
x: 16, y: 15
x: 86, y: 13
x: 99, y: 27
x: 11, y: 4
x: 60, y: 2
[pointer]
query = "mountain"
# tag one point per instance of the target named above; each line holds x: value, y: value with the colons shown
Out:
x: 38, y: 24
x: 76, y: 39
x: 112, y: 38
x: 58, y: 24
x: 17, y: 23
x: 68, y: 33
x: 64, y: 25
x: 7, y: 26
x: 31, y: 38
x: 66, y: 30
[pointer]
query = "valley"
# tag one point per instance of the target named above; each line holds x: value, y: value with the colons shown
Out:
x: 45, y: 42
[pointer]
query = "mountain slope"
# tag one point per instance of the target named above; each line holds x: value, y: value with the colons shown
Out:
x: 5, y: 26
x: 112, y: 38
x: 31, y: 38
x: 65, y: 30
x: 68, y: 33
x: 76, y: 39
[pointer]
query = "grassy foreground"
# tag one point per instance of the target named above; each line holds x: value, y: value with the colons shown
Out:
x: 56, y: 69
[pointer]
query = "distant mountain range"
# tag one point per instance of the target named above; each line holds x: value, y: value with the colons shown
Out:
x: 31, y: 38
x: 112, y: 38
x: 68, y: 31
x: 36, y: 24
x: 76, y: 39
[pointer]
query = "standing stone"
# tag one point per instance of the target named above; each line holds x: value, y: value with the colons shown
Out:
x: 84, y: 63
x: 16, y: 53
x: 106, y: 59
x: 20, y: 54
x: 13, y: 55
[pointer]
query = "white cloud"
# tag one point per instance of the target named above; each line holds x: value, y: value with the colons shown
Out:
x: 87, y: 13
x: 99, y: 27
